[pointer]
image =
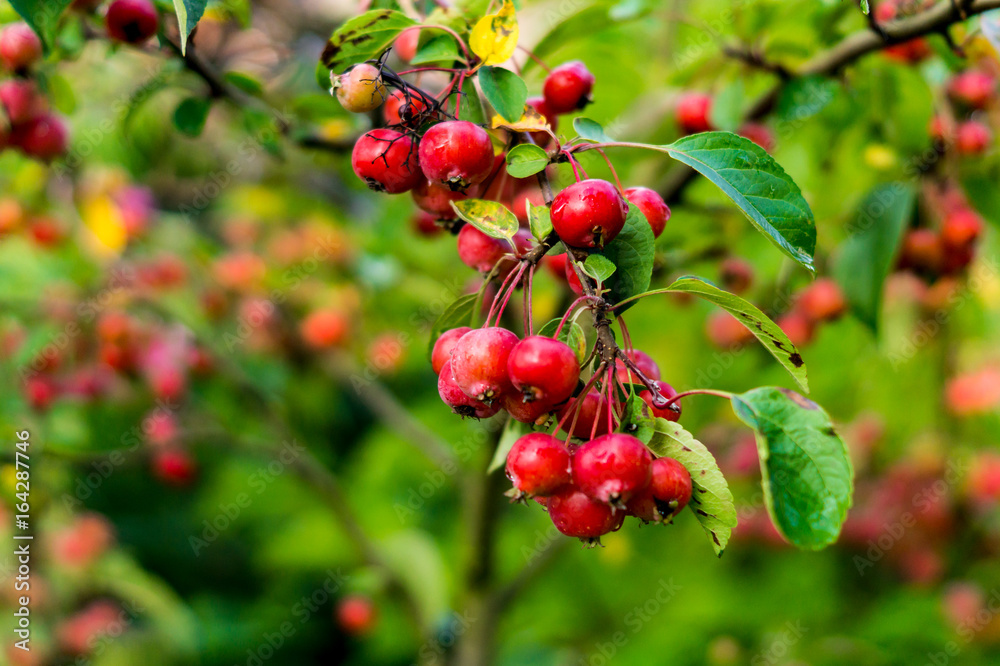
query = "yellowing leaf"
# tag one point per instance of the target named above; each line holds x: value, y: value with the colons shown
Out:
x: 494, y: 37
x: 104, y: 219
x: 531, y: 121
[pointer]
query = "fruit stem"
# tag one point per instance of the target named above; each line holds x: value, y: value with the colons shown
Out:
x: 718, y: 394
x: 569, y: 311
x: 613, y: 172
x: 538, y: 61
x: 454, y: 34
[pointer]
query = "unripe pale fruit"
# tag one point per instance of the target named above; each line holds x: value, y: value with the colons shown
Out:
x: 436, y: 199
x: 399, y: 111
x: 456, y: 153
x: 20, y: 47
x: 539, y: 464
x: 479, y: 251
x: 589, y: 214
x: 132, y: 21
x: 453, y: 396
x: 652, y: 205
x: 822, y: 300
x: 543, y: 368
x: 694, y: 112
x: 668, y: 492
x: 567, y: 87
x: 612, y: 468
x: 43, y: 137
x: 575, y: 514
x: 671, y: 413
x: 387, y: 161
x: 360, y: 89
x: 444, y: 345
x: 479, y: 361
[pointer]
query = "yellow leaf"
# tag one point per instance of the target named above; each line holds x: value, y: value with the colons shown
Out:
x: 104, y: 219
x: 531, y: 121
x: 494, y: 37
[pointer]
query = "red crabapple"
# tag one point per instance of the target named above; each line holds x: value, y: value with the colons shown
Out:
x: 612, y: 468
x: 961, y: 228
x: 671, y: 413
x: 726, y: 331
x: 759, y: 134
x: 974, y: 88
x: 543, y: 368
x: 436, y: 199
x: 822, y: 300
x: 386, y: 160
x: 132, y: 21
x: 643, y: 361
x: 922, y: 250
x: 939, y: 129
x: 577, y: 515
x: 567, y: 87
x: 798, y: 327
x: 405, y: 45
x: 43, y: 137
x: 539, y: 464
x: 356, y: 615
x: 360, y: 89
x: 973, y: 138
x: 479, y: 361
x: 535, y: 412
x: 479, y: 251
x: 593, y: 409
x: 397, y: 111
x: 652, y: 205
x: 21, y: 100
x: 589, y: 214
x: 539, y: 105
x: 174, y: 467
x: 453, y: 396
x: 425, y: 224
x: 20, y: 47
x: 668, y: 492
x: 736, y: 274
x: 324, y: 328
x: 457, y: 153
x: 694, y: 112
x: 444, y: 345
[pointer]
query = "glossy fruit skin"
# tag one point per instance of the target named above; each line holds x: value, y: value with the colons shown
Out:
x: 360, y: 89
x: 436, y: 199
x: 798, y: 327
x: 972, y: 138
x: 592, y: 409
x: 21, y: 100
x: 20, y: 47
x: 561, y: 267
x: 453, y: 396
x: 577, y: 515
x: 567, y: 87
x: 643, y: 361
x: 386, y: 160
x: 456, y: 153
x: 536, y: 411
x: 398, y: 111
x: 612, y: 468
x: 479, y: 251
x: 974, y: 88
x: 652, y: 205
x: 406, y: 44
x: 671, y: 413
x: 960, y: 229
x: 822, y: 300
x: 539, y: 464
x: 444, y: 345
x: 479, y: 362
x: 668, y: 492
x: 43, y: 137
x: 589, y: 214
x: 132, y: 21
x: 543, y: 368
x: 694, y: 112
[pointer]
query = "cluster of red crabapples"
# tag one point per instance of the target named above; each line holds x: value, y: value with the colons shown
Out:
x: 587, y: 484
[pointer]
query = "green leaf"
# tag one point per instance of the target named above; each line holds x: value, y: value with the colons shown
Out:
x: 711, y: 500
x: 526, y: 159
x: 42, y: 16
x: 472, y: 107
x: 804, y: 97
x: 462, y: 312
x: 636, y: 419
x: 572, y: 334
x: 513, y: 430
x: 864, y: 6
x: 758, y: 323
x: 61, y: 94
x: 364, y: 37
x: 599, y: 267
x: 189, y: 12
x: 438, y: 49
x: 191, y: 114
x: 631, y: 252
x: 755, y: 183
x: 505, y: 91
x: 245, y: 82
x: 727, y: 107
x: 807, y: 474
x: 539, y: 221
x: 590, y: 130
x: 866, y: 258
x: 490, y: 217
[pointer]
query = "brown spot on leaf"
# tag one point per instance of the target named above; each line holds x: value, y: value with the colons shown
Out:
x: 796, y: 360
x: 799, y: 400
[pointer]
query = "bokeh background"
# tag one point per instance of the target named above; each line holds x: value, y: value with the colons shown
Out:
x: 208, y: 487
